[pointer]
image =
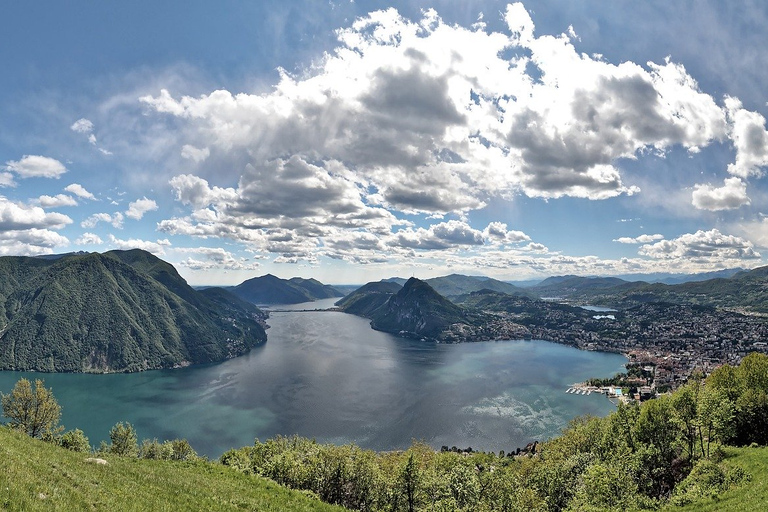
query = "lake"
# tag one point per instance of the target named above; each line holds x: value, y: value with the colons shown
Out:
x: 329, y: 376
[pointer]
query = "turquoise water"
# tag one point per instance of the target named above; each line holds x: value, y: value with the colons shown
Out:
x: 329, y: 376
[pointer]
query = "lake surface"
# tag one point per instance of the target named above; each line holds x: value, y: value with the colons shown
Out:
x: 328, y: 375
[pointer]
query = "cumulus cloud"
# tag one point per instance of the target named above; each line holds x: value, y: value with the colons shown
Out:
x: 642, y: 239
x: 157, y: 248
x: 733, y: 194
x: 85, y: 126
x: 30, y: 242
x: 115, y: 219
x: 138, y: 208
x: 56, y: 201
x: 35, y: 166
x: 6, y: 180
x: 16, y: 216
x: 498, y: 232
x: 750, y: 139
x: 439, y: 118
x: 444, y: 235
x: 195, y: 154
x: 89, y: 239
x: 214, y: 258
x: 712, y: 246
x: 82, y: 125
x: 79, y: 191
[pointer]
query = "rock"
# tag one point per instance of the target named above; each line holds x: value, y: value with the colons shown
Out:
x: 94, y: 460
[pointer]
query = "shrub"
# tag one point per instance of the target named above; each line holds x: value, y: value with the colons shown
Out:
x: 76, y: 441
x: 124, y: 440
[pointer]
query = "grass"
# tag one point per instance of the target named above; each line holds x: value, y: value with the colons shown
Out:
x: 751, y: 496
x: 39, y: 476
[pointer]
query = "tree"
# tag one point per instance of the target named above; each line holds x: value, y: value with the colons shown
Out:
x: 409, y: 481
x: 124, y: 440
x: 35, y: 412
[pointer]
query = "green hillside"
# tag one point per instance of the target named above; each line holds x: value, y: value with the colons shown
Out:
x: 40, y: 476
x: 751, y: 496
x: 269, y: 289
x: 117, y: 311
x: 456, y: 284
x: 418, y: 310
x: 368, y: 298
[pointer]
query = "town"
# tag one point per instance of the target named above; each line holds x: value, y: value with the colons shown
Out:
x: 671, y: 341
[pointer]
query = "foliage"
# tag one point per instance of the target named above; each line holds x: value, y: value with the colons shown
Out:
x: 124, y: 440
x: 117, y: 311
x: 35, y: 412
x: 76, y: 441
x: 37, y: 476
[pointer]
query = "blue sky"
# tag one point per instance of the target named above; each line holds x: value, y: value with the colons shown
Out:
x: 352, y: 141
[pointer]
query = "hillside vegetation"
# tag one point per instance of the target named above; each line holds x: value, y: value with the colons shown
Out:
x: 269, y: 289
x: 35, y: 475
x: 117, y: 311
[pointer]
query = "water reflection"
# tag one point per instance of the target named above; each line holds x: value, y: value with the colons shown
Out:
x: 328, y: 375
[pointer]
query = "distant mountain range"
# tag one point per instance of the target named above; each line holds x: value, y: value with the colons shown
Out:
x: 269, y: 289
x: 117, y: 311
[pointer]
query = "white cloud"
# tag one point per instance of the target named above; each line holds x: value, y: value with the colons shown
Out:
x: 445, y: 235
x: 498, y: 232
x: 195, y: 191
x: 79, y: 191
x: 35, y: 166
x: 197, y: 155
x: 115, y: 219
x: 215, y: 258
x: 6, y: 180
x: 157, y: 248
x: 82, y: 125
x: 438, y: 118
x: 89, y: 239
x: 30, y: 242
x: 17, y: 216
x: 733, y: 194
x: 750, y: 139
x: 711, y: 246
x: 642, y: 239
x: 138, y: 208
x: 56, y: 201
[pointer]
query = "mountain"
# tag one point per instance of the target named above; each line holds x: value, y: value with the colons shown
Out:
x: 368, y: 298
x: 456, y: 284
x: 417, y: 310
x: 746, y: 290
x: 117, y: 311
x: 269, y: 289
x: 667, y: 278
x: 566, y: 286
x: 315, y: 288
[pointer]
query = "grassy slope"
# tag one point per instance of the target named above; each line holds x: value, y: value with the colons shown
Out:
x: 38, y: 476
x: 752, y: 496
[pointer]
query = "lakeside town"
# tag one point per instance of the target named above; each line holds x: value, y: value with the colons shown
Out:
x: 666, y: 343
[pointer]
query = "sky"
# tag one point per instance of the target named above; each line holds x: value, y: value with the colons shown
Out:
x: 352, y: 141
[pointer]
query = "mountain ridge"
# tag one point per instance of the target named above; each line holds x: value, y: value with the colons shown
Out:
x: 116, y: 311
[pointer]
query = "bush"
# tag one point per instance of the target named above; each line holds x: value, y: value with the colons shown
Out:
x: 155, y: 450
x: 124, y: 440
x: 76, y: 441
